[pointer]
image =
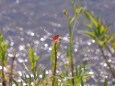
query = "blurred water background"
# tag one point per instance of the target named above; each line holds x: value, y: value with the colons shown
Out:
x: 33, y: 22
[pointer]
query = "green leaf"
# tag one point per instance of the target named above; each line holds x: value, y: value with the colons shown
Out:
x: 90, y: 26
x: 68, y: 77
x: 26, y: 68
x: 105, y: 82
x: 73, y: 6
x: 82, y: 83
x: 15, y: 82
x: 87, y: 76
x: 91, y: 17
x: 102, y: 29
x: 21, y: 83
x: 73, y: 19
x: 32, y: 58
x: 90, y: 34
x: 3, y: 50
x: 113, y: 41
x: 113, y: 45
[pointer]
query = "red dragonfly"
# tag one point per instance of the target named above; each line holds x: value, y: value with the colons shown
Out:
x: 55, y: 37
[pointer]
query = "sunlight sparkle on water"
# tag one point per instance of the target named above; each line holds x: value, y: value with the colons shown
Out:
x: 50, y: 49
x: 20, y: 60
x: 17, y: 1
x: 105, y: 65
x: 12, y: 43
x: 40, y: 76
x: 46, y: 45
x: 46, y: 72
x: 22, y: 47
x: 30, y: 33
x: 0, y: 67
x: 42, y: 39
x: 10, y: 55
x: 75, y: 50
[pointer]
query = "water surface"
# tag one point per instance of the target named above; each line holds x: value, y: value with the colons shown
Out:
x: 23, y: 22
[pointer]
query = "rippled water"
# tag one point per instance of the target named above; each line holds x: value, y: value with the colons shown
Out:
x: 26, y: 22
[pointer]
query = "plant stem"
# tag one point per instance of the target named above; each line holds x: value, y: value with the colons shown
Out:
x: 11, y: 72
x: 70, y: 54
x: 71, y: 64
x: 55, y: 63
x: 110, y: 51
x: 72, y: 68
x: 3, y: 76
x: 108, y: 64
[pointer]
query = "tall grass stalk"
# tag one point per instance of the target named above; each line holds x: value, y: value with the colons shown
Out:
x: 55, y: 63
x: 3, y: 75
x: 11, y: 69
x: 3, y: 56
x: 108, y: 64
x: 71, y: 26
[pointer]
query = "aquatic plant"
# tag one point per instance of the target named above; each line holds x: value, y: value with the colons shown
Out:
x: 101, y: 34
x: 12, y: 67
x: 31, y: 75
x: 71, y: 75
x: 3, y: 57
x: 71, y: 26
x: 55, y: 47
